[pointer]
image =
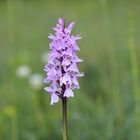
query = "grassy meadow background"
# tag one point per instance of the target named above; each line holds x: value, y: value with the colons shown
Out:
x: 107, y: 106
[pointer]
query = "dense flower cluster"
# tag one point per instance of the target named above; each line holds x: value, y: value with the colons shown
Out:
x: 62, y: 71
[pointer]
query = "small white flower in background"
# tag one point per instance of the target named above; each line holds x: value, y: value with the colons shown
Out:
x: 23, y: 71
x: 36, y: 81
x: 44, y: 57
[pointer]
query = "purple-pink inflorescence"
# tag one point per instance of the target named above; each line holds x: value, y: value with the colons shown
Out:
x: 62, y: 71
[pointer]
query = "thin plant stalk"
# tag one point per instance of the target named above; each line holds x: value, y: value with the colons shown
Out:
x: 11, y: 37
x: 64, y: 112
x: 134, y: 69
x: 113, y: 63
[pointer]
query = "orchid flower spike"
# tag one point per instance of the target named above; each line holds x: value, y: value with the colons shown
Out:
x: 61, y: 71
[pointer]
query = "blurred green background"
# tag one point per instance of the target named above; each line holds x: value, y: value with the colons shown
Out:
x: 107, y: 106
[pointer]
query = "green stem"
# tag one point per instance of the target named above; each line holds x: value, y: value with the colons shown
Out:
x: 64, y: 106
